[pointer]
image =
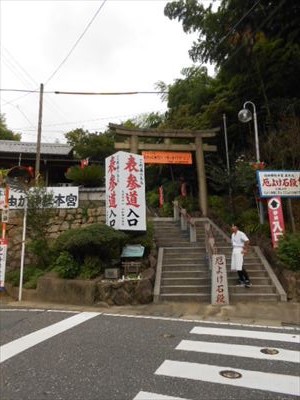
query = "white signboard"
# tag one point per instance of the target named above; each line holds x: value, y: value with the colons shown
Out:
x: 3, y: 252
x: 125, y: 191
x: 2, y: 198
x: 219, y: 293
x: 63, y: 197
x: 278, y: 183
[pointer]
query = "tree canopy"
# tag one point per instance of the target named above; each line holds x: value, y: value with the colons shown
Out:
x: 5, y: 133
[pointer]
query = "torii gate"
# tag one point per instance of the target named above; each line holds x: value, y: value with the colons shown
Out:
x: 134, y: 145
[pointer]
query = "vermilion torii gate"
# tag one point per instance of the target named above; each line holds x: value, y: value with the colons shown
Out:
x: 134, y: 143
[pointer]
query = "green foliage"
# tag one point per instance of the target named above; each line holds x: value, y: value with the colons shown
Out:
x: 152, y: 198
x: 5, y: 133
x: 66, y: 266
x: 40, y: 211
x: 166, y: 210
x: 97, y: 239
x: 96, y: 146
x: 30, y: 277
x: 90, y: 176
x: 289, y: 251
x: 92, y: 267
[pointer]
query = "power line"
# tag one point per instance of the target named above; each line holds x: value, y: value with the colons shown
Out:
x: 76, y: 43
x: 87, y: 93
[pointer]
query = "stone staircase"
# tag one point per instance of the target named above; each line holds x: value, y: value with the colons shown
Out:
x: 184, y: 275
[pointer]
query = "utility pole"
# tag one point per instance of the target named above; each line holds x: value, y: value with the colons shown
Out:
x: 39, y: 135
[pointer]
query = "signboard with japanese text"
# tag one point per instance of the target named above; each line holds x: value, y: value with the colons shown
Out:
x: 278, y: 183
x: 3, y: 252
x: 167, y: 157
x: 276, y: 219
x: 2, y: 198
x: 125, y: 191
x: 219, y: 293
x: 63, y: 197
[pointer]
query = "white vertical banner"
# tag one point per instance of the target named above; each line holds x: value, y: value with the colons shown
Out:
x: 3, y: 252
x: 219, y: 292
x: 125, y: 191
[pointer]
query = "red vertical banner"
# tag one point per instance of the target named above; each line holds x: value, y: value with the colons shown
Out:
x: 161, y: 195
x: 276, y: 219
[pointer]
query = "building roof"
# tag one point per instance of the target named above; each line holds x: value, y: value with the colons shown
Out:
x: 12, y: 146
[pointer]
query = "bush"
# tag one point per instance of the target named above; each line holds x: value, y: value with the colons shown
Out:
x: 90, y: 176
x: 94, y: 240
x: 289, y: 251
x: 30, y: 277
x: 92, y: 267
x: 143, y: 238
x: 65, y: 266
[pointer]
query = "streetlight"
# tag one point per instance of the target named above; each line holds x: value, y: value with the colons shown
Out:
x: 245, y: 116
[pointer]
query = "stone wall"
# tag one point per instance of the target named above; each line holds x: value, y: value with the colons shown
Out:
x: 91, y: 210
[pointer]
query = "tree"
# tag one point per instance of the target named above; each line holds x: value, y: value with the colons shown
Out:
x: 5, y: 133
x: 96, y: 146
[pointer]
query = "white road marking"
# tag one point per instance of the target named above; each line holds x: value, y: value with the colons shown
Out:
x: 238, y: 350
x: 280, y: 337
x: 199, y: 321
x: 155, y: 396
x: 278, y: 383
x: 17, y: 346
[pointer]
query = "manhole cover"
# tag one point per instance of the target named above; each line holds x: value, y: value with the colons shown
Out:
x: 231, y: 374
x: 269, y: 351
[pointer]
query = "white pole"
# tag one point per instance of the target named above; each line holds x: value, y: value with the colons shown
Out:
x: 23, y: 248
x: 261, y: 210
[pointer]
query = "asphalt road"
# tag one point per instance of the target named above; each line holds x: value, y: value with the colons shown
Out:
x: 48, y: 354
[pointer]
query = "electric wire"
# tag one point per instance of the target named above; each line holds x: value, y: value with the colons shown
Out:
x: 76, y: 43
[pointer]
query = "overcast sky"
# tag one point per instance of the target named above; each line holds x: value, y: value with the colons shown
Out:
x: 129, y: 46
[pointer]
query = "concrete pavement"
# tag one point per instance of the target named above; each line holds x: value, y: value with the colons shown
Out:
x: 258, y: 313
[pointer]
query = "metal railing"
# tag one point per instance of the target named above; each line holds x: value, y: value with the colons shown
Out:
x: 187, y: 222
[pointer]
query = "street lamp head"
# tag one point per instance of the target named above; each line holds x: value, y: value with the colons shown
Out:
x: 245, y: 115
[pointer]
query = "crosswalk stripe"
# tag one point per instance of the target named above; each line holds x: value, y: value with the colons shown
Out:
x: 238, y: 350
x: 155, y: 396
x: 17, y: 346
x: 286, y: 384
x: 280, y: 337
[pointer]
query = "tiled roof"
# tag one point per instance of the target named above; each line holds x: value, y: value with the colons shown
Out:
x: 12, y: 146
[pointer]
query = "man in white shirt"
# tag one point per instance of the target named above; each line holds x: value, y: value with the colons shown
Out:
x: 240, y: 244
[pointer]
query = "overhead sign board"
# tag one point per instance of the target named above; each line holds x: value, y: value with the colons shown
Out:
x: 278, y: 183
x: 167, y: 157
x: 63, y: 197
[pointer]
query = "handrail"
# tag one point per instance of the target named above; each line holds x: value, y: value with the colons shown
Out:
x: 186, y: 220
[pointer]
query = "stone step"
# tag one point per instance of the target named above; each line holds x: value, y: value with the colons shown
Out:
x: 170, y: 281
x: 236, y: 297
x: 181, y: 267
x: 185, y: 274
x: 187, y: 289
x: 232, y: 281
x: 259, y: 289
x: 194, y: 297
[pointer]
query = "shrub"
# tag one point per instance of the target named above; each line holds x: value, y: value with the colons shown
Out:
x: 289, y: 251
x: 97, y: 240
x: 143, y: 238
x: 89, y: 176
x: 92, y: 267
x: 65, y: 266
x: 30, y: 277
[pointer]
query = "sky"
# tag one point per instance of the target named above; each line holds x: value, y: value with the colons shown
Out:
x: 86, y: 46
